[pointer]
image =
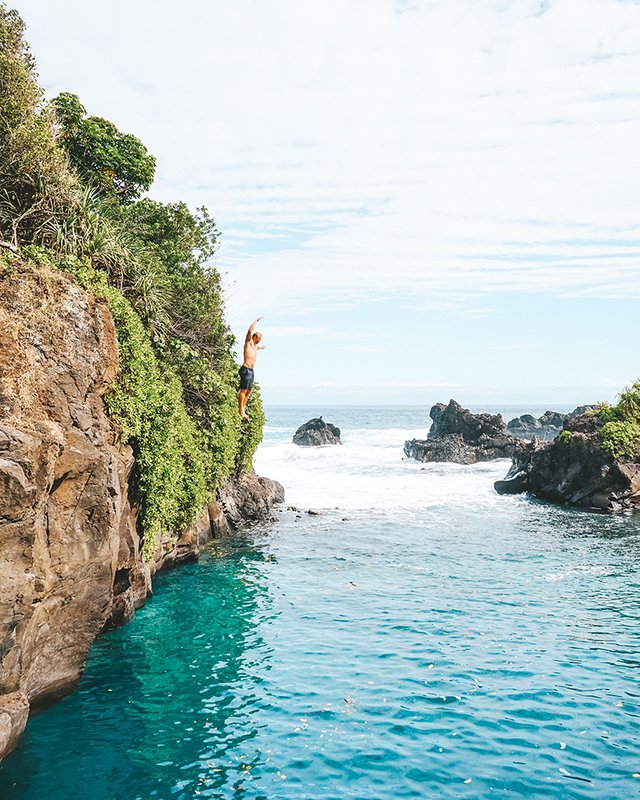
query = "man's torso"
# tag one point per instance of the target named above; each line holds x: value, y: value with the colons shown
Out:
x: 250, y: 353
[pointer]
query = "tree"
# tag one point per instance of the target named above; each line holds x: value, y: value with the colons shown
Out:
x: 169, y: 280
x: 35, y: 183
x: 115, y: 163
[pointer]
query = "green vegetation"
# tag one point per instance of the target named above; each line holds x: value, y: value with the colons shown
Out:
x: 620, y: 432
x: 115, y: 163
x: 35, y: 183
x: 565, y: 437
x: 69, y: 196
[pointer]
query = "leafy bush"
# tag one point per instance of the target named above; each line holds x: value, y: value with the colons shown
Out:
x: 182, y: 454
x: 620, y: 432
x: 620, y: 438
x: 629, y: 402
x: 607, y: 413
x: 146, y: 402
x: 565, y: 437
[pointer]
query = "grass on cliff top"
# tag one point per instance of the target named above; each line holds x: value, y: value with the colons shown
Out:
x: 620, y: 432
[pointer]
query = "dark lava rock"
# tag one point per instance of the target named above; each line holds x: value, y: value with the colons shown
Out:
x: 575, y: 470
x: 545, y: 428
x: 315, y: 433
x: 459, y: 436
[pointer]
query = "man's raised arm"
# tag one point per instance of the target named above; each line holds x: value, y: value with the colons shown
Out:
x: 252, y: 328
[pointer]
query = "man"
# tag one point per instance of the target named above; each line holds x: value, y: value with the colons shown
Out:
x: 251, y: 347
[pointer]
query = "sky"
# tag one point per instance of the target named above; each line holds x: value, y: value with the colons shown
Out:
x: 424, y: 199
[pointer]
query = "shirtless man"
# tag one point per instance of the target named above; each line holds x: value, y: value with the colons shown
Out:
x: 251, y: 347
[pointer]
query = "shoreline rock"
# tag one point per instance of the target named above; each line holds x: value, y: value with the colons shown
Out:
x: 316, y: 433
x: 461, y: 437
x: 574, y: 470
x: 71, y: 564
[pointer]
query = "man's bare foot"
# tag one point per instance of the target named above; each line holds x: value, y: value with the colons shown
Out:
x: 245, y: 417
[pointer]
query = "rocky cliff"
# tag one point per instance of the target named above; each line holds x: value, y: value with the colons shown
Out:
x: 70, y: 555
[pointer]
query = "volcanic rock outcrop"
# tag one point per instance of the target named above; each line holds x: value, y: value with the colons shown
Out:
x: 461, y: 437
x: 574, y: 469
x: 545, y: 428
x: 70, y: 555
x: 316, y: 432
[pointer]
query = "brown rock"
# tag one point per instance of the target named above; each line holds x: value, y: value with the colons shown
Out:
x: 248, y: 498
x: 14, y: 713
x: 61, y: 497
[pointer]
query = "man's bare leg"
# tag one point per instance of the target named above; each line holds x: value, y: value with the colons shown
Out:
x: 243, y: 399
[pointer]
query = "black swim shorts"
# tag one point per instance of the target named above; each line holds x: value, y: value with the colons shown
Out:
x: 246, y: 378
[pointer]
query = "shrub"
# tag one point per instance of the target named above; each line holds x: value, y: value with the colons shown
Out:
x: 607, y: 413
x: 565, y: 437
x: 620, y: 432
x: 146, y: 402
x: 629, y: 402
x: 620, y: 438
x: 184, y: 451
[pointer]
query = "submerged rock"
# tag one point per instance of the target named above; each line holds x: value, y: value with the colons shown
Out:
x: 315, y: 433
x: 574, y: 469
x: 461, y: 437
x: 545, y: 428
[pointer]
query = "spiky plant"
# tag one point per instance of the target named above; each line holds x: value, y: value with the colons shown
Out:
x: 150, y: 295
x: 629, y: 403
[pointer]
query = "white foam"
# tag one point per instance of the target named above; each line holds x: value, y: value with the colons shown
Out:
x: 370, y: 471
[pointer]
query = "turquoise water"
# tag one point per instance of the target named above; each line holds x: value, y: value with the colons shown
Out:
x: 420, y: 637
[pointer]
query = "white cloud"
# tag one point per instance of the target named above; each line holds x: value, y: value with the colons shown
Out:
x: 372, y: 146
x: 420, y: 151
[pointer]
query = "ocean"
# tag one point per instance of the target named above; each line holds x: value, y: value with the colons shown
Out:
x: 417, y: 636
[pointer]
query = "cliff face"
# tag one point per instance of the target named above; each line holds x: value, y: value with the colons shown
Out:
x: 70, y: 560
